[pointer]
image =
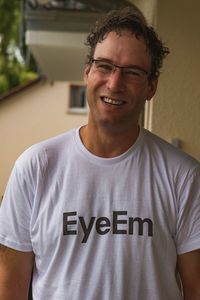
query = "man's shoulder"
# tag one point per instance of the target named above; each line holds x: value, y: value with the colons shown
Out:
x: 162, y: 149
x: 42, y: 152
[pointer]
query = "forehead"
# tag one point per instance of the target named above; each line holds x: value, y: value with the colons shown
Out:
x: 123, y: 48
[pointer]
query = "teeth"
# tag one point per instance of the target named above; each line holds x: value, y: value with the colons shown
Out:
x: 111, y: 101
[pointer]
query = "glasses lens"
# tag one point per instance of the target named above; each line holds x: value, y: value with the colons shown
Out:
x: 103, y: 66
x: 134, y: 74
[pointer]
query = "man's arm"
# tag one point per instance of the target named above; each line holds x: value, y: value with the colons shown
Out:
x: 15, y: 273
x: 189, y: 270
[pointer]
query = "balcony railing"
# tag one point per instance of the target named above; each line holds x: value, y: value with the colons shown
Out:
x: 87, y: 5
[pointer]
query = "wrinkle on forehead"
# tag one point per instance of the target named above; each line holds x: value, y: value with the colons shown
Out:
x: 124, y: 48
x: 124, y: 31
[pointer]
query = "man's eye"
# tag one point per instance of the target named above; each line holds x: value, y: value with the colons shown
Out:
x: 133, y: 72
x: 104, y: 67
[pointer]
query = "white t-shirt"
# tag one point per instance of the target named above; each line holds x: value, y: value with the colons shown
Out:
x: 103, y: 229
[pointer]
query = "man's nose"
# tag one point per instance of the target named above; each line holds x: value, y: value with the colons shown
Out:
x: 115, y: 80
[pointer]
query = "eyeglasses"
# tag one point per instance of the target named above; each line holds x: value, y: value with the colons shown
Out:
x: 134, y: 74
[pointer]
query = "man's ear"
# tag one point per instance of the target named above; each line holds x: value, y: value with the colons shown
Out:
x: 85, y: 74
x: 152, y: 87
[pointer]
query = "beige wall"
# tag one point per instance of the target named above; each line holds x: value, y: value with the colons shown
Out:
x: 176, y: 107
x: 148, y: 7
x: 32, y: 115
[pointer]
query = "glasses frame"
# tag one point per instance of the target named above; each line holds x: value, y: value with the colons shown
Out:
x: 114, y: 67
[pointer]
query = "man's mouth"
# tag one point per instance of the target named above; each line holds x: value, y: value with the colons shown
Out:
x: 112, y: 101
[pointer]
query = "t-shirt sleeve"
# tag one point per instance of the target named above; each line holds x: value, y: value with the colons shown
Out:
x: 17, y: 204
x: 188, y: 221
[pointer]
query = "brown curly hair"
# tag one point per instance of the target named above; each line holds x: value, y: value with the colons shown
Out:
x: 129, y: 18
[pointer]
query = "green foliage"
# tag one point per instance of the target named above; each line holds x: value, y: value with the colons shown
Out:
x: 13, y: 72
x: 9, y: 23
x: 4, y: 84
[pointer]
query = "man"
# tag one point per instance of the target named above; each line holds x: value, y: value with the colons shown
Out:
x: 108, y: 211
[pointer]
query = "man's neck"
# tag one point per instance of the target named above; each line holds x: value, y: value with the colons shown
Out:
x: 104, y: 143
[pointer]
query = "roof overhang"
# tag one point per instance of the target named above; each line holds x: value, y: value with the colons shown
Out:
x: 56, y: 37
x: 57, y: 41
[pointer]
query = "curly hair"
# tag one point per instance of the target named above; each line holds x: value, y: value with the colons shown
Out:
x: 129, y: 18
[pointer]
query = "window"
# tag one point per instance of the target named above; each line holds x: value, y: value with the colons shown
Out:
x: 77, y: 98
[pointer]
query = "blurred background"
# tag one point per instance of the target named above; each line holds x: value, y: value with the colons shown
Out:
x: 42, y: 55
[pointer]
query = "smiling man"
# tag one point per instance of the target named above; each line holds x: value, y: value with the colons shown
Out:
x: 107, y: 211
x: 118, y: 84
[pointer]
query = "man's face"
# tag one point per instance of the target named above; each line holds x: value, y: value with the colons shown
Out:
x: 116, y: 101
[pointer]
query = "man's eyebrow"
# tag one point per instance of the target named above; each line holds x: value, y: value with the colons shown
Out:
x: 104, y: 59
